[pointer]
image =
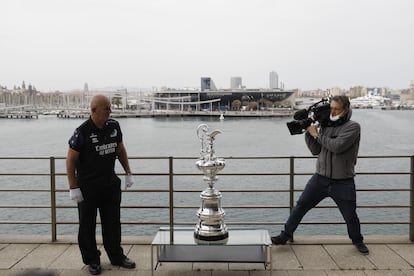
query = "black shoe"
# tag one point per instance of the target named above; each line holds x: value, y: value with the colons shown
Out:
x: 278, y: 240
x: 127, y: 263
x: 362, y: 248
x: 95, y: 269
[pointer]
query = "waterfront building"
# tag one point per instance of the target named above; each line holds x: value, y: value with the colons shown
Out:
x: 407, y: 97
x: 207, y: 84
x: 209, y: 98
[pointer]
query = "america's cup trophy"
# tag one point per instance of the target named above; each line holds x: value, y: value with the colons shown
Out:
x: 211, y: 226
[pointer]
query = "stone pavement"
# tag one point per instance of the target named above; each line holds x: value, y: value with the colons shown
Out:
x: 308, y: 255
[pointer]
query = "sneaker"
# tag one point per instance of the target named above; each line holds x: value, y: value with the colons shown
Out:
x: 278, y: 240
x: 95, y: 269
x: 362, y: 248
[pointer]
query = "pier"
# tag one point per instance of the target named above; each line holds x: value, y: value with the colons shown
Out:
x: 307, y: 256
x: 20, y: 115
x: 172, y: 113
x: 217, y: 114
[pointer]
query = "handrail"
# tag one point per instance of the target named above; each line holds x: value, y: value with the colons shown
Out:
x: 57, y: 176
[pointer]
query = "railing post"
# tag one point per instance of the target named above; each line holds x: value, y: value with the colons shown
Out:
x: 411, y: 198
x: 53, y: 197
x: 171, y: 198
x: 292, y: 183
x: 291, y: 186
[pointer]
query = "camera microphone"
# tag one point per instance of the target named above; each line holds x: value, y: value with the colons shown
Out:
x: 301, y: 114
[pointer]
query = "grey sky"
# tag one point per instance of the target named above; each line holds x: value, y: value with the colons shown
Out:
x: 61, y: 44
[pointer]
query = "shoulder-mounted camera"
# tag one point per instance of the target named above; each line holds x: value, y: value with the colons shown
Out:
x: 317, y: 113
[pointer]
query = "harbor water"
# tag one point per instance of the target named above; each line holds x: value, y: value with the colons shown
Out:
x: 383, y: 133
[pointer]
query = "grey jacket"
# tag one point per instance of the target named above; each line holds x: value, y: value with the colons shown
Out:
x: 337, y: 149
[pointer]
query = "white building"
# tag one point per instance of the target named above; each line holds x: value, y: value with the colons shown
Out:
x: 236, y: 83
x: 273, y: 80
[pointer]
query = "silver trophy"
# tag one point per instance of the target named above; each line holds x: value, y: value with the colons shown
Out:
x: 211, y: 226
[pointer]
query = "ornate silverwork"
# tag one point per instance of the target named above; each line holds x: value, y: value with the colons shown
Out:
x: 211, y: 226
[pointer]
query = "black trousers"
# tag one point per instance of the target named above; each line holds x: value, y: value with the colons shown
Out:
x: 318, y: 188
x: 106, y: 199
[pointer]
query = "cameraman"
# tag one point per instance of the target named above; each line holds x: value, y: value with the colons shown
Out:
x: 336, y: 145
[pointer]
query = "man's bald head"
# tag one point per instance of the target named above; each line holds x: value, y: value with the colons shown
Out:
x: 99, y: 100
x: 100, y: 110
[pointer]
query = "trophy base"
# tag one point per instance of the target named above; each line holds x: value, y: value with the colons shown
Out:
x: 216, y: 238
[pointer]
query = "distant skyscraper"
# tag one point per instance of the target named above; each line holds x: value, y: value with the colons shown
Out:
x: 85, y: 87
x: 207, y: 84
x: 273, y: 80
x: 236, y: 83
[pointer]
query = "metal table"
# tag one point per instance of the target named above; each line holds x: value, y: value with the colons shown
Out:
x: 242, y: 246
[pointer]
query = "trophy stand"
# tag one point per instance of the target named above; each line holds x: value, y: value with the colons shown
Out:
x: 211, y: 226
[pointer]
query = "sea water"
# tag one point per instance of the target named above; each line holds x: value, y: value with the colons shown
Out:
x: 382, y: 133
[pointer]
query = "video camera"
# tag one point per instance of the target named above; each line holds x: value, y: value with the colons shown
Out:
x: 318, y: 112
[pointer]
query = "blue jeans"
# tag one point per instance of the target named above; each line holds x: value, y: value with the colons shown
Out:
x: 342, y: 191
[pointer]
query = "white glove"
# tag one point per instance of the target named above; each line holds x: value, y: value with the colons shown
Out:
x: 76, y: 195
x: 128, y: 181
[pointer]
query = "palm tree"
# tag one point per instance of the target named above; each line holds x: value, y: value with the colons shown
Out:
x: 236, y: 104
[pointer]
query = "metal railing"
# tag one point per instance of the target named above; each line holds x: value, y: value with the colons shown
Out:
x: 171, y: 176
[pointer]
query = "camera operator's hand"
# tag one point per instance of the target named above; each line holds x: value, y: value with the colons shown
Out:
x: 313, y: 131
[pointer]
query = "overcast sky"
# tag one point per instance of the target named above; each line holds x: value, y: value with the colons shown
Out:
x: 62, y: 44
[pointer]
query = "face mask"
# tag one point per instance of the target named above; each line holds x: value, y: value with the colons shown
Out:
x: 334, y: 118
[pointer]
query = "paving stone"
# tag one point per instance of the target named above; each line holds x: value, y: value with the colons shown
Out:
x: 176, y: 273
x: 344, y: 273
x: 289, y: 260
x: 405, y: 251
x: 230, y: 273
x: 42, y: 256
x: 313, y: 257
x: 385, y: 258
x: 13, y: 253
x: 175, y: 266
x: 246, y: 266
x: 69, y: 259
x: 284, y: 258
x: 141, y: 254
x: 211, y: 266
x: 266, y: 273
x: 348, y: 257
x: 384, y: 273
x: 74, y: 272
x: 34, y: 272
x: 307, y: 273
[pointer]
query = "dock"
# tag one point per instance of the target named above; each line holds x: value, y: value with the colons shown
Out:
x: 82, y: 113
x: 307, y: 255
x: 20, y: 115
x: 214, y: 114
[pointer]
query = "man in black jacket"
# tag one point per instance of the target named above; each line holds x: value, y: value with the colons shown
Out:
x: 336, y: 145
x: 93, y: 184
